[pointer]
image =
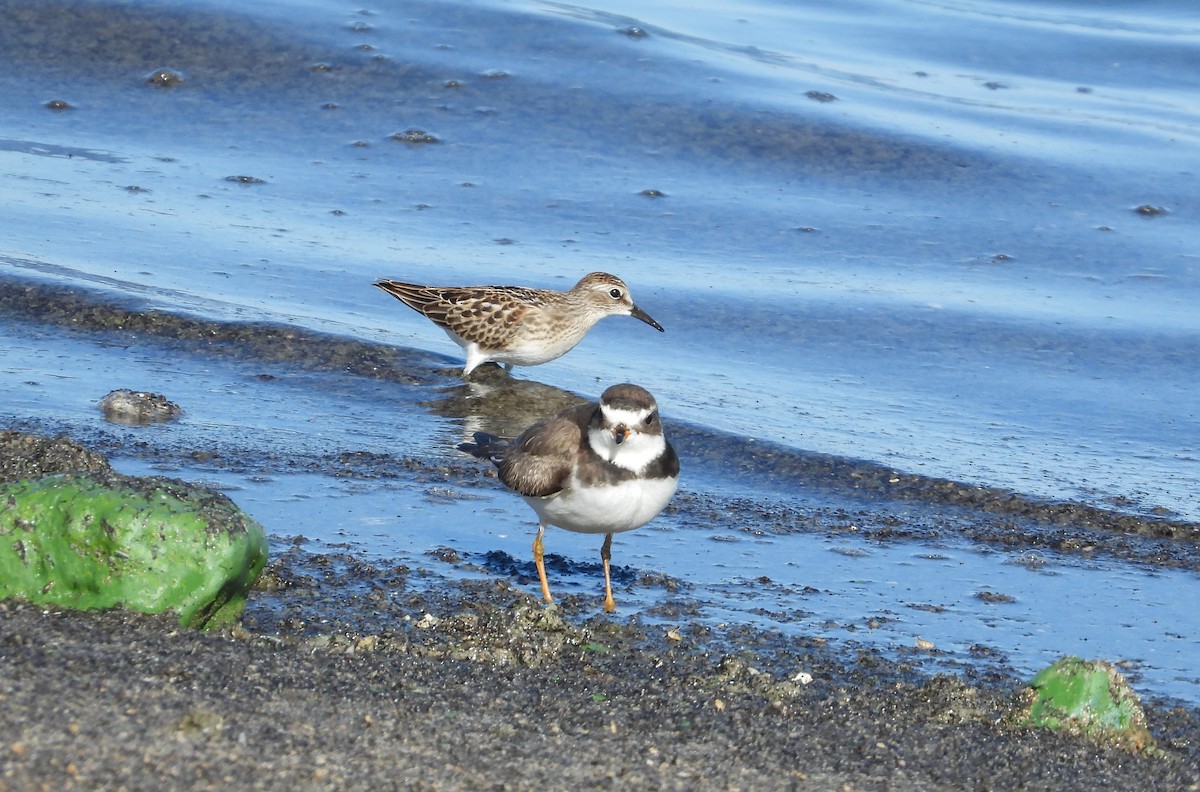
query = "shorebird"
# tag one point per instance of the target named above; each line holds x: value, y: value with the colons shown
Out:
x: 597, y: 468
x: 518, y: 326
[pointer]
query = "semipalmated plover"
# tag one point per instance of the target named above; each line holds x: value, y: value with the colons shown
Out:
x: 596, y: 468
x: 514, y: 325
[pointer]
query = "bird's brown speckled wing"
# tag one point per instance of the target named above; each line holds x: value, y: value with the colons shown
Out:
x: 483, y: 314
x: 478, y: 315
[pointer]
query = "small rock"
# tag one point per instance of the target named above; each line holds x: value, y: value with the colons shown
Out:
x: 164, y: 78
x: 138, y: 408
x: 1090, y: 698
x: 415, y: 137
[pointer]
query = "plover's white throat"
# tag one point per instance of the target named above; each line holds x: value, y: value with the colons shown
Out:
x: 597, y: 468
x: 514, y: 325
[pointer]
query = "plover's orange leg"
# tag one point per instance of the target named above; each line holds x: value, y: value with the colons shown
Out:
x: 538, y: 551
x: 610, y: 604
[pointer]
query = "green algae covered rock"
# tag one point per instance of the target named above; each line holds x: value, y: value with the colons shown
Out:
x: 1089, y: 697
x: 95, y: 541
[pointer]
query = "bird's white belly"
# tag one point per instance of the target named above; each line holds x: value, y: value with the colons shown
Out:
x: 534, y: 351
x: 611, y: 509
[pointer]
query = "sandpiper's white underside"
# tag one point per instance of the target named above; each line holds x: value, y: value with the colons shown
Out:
x: 529, y: 353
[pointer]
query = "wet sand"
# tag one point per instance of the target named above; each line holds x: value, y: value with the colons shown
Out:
x: 499, y: 692
x: 349, y: 675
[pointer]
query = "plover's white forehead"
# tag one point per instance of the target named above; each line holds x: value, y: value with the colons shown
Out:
x: 614, y: 416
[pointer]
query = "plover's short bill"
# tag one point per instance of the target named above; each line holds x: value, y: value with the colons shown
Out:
x: 597, y: 468
x: 514, y: 325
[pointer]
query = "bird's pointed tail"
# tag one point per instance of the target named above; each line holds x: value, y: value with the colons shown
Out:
x: 486, y: 446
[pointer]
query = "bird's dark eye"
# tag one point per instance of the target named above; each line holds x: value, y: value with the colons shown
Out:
x: 614, y: 293
x: 649, y: 419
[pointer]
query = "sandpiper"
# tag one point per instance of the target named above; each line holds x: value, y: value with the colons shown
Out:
x: 518, y: 326
x: 596, y: 468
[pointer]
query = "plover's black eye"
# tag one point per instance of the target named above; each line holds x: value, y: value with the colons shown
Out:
x: 614, y: 293
x: 649, y: 419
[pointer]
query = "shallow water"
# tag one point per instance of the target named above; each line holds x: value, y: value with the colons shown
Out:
x: 973, y: 604
x: 904, y: 232
x: 344, y: 461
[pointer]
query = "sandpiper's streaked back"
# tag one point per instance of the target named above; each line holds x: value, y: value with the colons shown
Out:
x: 596, y: 468
x: 518, y: 326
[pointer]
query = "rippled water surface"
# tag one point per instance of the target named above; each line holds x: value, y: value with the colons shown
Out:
x: 958, y: 239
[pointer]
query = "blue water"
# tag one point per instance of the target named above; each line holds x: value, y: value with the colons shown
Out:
x: 900, y: 231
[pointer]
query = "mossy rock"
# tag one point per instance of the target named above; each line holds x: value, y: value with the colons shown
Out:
x: 1088, y: 697
x: 96, y: 541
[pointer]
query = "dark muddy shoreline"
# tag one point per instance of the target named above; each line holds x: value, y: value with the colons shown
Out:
x: 345, y: 674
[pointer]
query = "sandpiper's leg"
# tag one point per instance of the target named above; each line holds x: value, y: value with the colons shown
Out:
x: 538, y: 551
x: 610, y: 604
x: 475, y: 357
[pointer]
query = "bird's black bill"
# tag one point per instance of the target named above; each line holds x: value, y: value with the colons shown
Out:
x: 638, y: 313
